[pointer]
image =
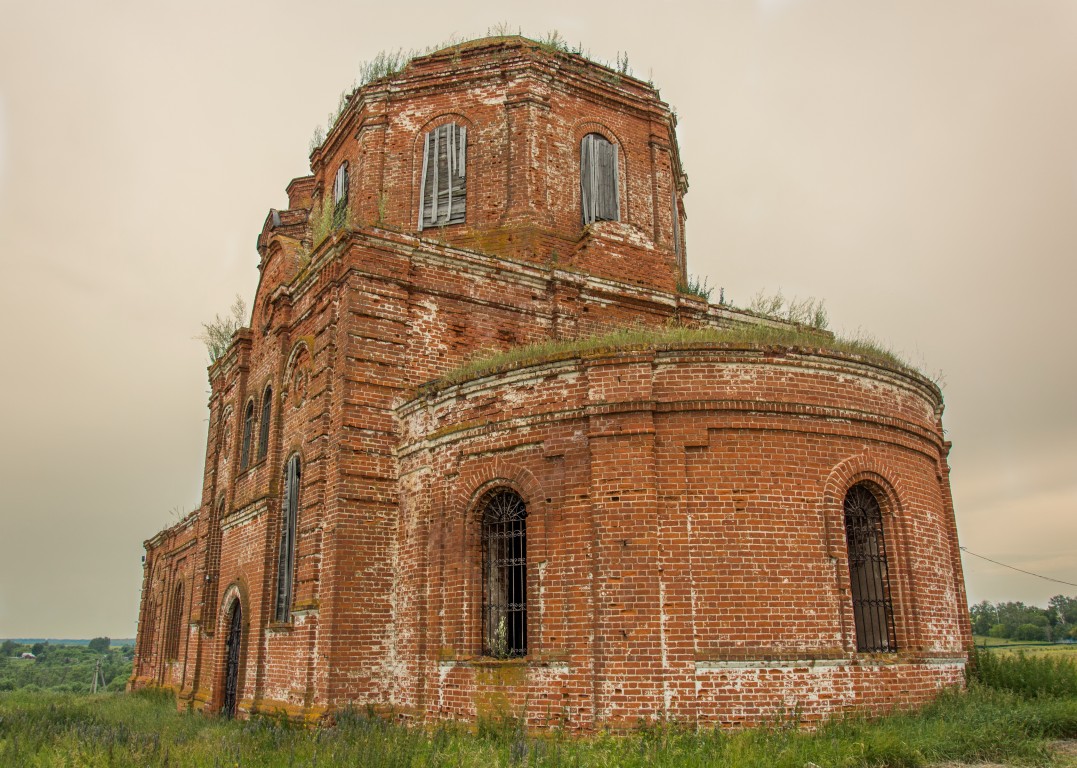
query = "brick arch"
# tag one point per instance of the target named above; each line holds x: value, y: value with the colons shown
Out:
x: 893, y: 495
x: 499, y: 473
x: 590, y: 125
x: 300, y: 348
x: 237, y: 589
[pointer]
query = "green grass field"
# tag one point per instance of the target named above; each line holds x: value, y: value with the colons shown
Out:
x: 1016, y: 705
x: 1025, y: 646
x: 56, y: 729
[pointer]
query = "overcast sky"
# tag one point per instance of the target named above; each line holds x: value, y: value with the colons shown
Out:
x: 912, y: 163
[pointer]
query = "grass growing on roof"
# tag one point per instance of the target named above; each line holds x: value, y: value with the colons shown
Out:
x: 668, y: 337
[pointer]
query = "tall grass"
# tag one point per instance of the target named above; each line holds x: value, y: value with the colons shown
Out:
x: 669, y: 337
x: 122, y: 730
x: 1026, y: 675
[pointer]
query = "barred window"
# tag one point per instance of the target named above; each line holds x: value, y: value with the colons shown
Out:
x: 175, y: 624
x: 263, y: 431
x: 443, y: 186
x: 873, y: 610
x: 248, y: 432
x: 286, y: 553
x: 598, y: 179
x: 504, y: 568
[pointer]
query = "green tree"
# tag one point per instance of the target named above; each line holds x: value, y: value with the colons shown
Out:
x: 9, y: 648
x: 1030, y: 632
x: 999, y: 631
x: 100, y: 644
x: 1064, y: 608
x: 39, y: 648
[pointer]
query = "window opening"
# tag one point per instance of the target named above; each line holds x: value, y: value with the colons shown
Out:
x: 286, y: 553
x: 248, y: 431
x: 340, y: 193
x: 873, y: 611
x: 598, y: 179
x: 263, y: 432
x: 443, y: 186
x: 504, y: 554
x: 175, y: 624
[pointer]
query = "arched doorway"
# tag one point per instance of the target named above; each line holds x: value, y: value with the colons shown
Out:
x: 231, y: 666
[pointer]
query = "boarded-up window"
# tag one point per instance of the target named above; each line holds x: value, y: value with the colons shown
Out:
x: 443, y: 187
x: 504, y: 567
x: 677, y: 230
x: 286, y: 553
x: 340, y: 194
x: 248, y: 433
x: 263, y: 432
x: 869, y: 580
x: 598, y: 179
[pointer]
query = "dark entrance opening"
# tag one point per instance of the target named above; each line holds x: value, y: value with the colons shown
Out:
x: 231, y: 668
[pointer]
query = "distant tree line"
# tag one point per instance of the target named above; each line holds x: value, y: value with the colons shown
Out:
x: 67, y: 668
x: 1017, y: 621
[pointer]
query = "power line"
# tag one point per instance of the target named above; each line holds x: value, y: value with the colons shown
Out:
x: 1020, y: 570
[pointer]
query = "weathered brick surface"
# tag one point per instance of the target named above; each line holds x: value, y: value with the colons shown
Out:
x: 686, y: 552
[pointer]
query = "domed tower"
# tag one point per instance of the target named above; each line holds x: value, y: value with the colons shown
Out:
x: 585, y: 537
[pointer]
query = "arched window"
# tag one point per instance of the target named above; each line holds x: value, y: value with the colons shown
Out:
x: 263, y: 430
x: 873, y: 610
x: 175, y: 624
x: 286, y: 553
x: 340, y: 193
x: 443, y: 186
x: 248, y: 431
x: 598, y: 179
x: 504, y: 574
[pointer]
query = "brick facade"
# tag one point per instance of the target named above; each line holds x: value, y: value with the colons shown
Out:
x: 686, y: 554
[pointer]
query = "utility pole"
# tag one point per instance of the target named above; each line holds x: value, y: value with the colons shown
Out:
x: 97, y: 673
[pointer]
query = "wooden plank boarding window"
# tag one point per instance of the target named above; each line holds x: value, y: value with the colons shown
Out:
x: 286, y: 553
x: 248, y: 433
x: 873, y: 610
x: 443, y: 186
x: 598, y: 179
x: 263, y: 428
x: 340, y: 194
x: 504, y: 569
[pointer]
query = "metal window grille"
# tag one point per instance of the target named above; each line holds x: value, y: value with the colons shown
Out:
x: 248, y: 431
x: 231, y: 670
x: 873, y: 611
x: 598, y: 179
x: 286, y: 553
x: 443, y: 185
x: 175, y: 624
x: 504, y: 568
x: 263, y: 431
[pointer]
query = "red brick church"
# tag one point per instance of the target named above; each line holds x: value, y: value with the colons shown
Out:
x: 706, y: 532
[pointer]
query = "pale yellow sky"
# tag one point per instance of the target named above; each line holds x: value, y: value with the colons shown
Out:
x: 913, y: 163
